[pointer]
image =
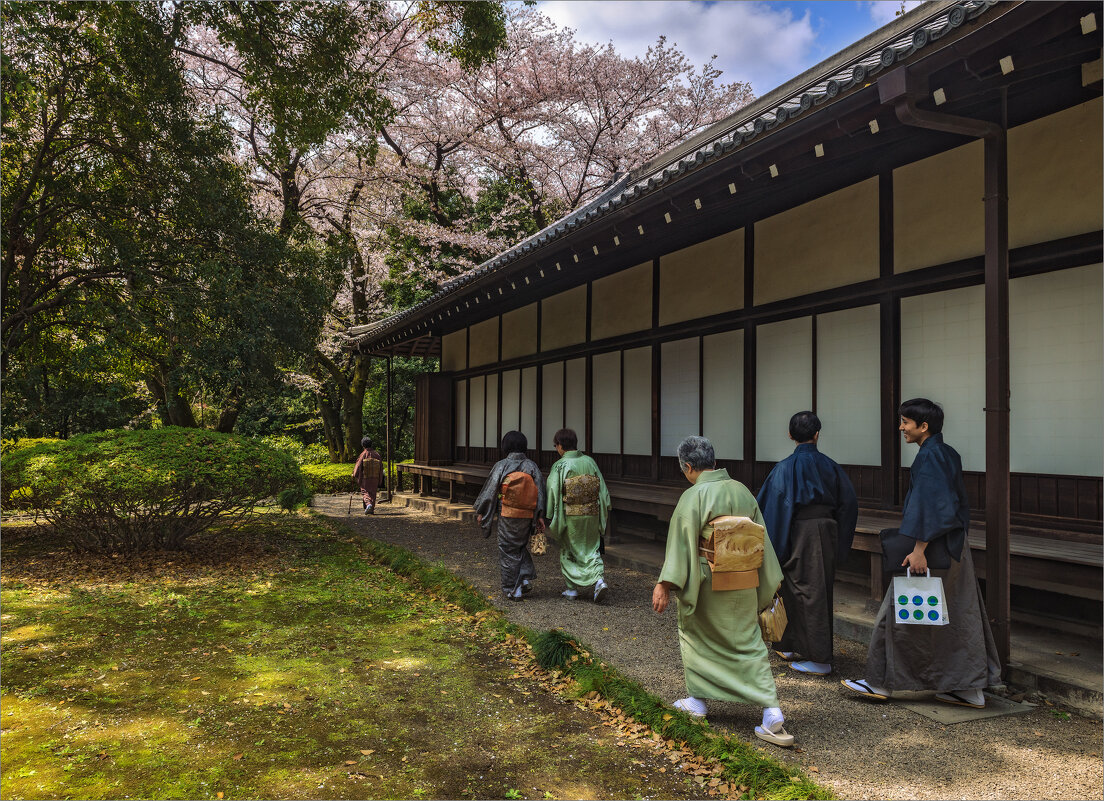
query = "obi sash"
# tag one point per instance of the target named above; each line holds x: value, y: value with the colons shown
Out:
x: 519, y: 495
x: 580, y: 495
x: 734, y: 549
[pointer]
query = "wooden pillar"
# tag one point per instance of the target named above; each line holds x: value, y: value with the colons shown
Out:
x: 387, y: 434
x: 997, y: 392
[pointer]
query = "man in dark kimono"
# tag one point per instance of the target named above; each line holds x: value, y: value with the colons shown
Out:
x: 514, y: 526
x: 810, y: 510
x: 959, y: 660
x: 367, y: 473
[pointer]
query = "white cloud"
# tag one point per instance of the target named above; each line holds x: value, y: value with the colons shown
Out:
x: 753, y: 41
x: 884, y: 12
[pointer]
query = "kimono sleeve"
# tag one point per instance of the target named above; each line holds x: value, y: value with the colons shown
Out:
x: 486, y: 504
x: 776, y: 505
x: 932, y: 507
x: 847, y: 513
x: 554, y: 499
x: 681, y: 567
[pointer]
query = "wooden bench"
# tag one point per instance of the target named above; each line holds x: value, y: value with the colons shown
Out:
x: 1041, y: 559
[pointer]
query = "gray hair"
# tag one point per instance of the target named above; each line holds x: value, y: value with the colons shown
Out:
x: 696, y: 452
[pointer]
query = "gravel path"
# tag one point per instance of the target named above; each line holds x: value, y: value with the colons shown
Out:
x: 858, y: 748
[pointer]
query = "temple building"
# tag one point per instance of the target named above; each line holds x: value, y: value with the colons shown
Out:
x: 919, y: 215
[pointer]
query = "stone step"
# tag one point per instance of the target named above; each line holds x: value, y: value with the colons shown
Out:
x: 456, y: 511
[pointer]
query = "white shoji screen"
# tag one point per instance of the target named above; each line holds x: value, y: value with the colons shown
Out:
x: 575, y: 399
x: 491, y: 436
x: 606, y: 399
x: 461, y: 415
x: 477, y: 413
x: 638, y: 401
x: 849, y: 385
x: 511, y: 400
x: 723, y: 393
x: 783, y: 383
x: 679, y: 403
x: 1056, y: 343
x: 552, y: 411
x: 943, y: 359
x: 529, y: 405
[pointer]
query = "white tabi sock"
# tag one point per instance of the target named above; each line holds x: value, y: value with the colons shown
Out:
x: 772, y: 718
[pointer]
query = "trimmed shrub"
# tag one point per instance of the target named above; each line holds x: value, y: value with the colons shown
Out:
x: 302, y: 454
x: 136, y: 490
x: 329, y: 478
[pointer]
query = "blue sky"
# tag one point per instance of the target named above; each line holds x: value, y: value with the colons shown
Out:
x: 765, y: 43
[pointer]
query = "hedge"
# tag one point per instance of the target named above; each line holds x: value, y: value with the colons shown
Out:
x: 120, y: 491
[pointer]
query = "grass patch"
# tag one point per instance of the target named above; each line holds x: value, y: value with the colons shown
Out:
x: 282, y: 659
x: 745, y: 766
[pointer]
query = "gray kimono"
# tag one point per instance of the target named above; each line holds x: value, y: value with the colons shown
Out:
x: 515, y: 562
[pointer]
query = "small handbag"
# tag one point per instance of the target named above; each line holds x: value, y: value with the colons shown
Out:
x: 773, y: 621
x: 538, y: 543
x: 896, y: 546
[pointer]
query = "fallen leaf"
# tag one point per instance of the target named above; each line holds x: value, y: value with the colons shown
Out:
x: 238, y: 756
x: 667, y: 716
x: 350, y: 761
x: 367, y: 751
x: 814, y: 769
x: 218, y: 795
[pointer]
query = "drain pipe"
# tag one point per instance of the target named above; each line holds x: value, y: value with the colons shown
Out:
x: 901, y: 89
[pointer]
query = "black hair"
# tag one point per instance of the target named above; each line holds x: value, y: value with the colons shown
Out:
x: 923, y: 410
x: 514, y: 442
x: 566, y: 437
x: 804, y: 426
x: 365, y: 442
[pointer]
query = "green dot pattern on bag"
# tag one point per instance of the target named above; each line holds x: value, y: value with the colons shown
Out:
x: 917, y: 614
x: 902, y: 600
x: 903, y: 614
x: 933, y: 615
x: 917, y: 600
x: 933, y: 601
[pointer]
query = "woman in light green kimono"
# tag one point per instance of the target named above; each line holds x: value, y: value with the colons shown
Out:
x: 723, y: 654
x: 578, y: 504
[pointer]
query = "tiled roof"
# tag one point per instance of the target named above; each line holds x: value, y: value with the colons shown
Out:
x: 850, y: 69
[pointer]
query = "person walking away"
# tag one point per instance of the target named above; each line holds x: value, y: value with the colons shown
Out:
x: 367, y: 473
x: 578, y: 508
x: 959, y: 660
x: 810, y: 510
x: 723, y: 653
x: 514, y: 494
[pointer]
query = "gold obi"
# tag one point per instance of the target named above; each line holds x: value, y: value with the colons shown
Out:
x: 580, y: 495
x: 734, y: 549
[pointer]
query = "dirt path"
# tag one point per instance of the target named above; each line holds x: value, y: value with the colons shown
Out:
x: 859, y: 749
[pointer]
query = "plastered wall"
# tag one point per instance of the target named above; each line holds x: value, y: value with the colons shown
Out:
x: 519, y: 332
x: 849, y: 385
x: 606, y: 410
x: 483, y: 345
x: 783, y: 383
x: 622, y: 303
x: 1056, y: 175
x: 938, y: 209
x: 826, y: 243
x: 563, y: 319
x: 678, y: 404
x: 454, y: 350
x: 703, y: 279
x: 638, y: 401
x: 723, y: 393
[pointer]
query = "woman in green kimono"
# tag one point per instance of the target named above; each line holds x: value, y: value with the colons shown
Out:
x: 723, y: 654
x: 578, y: 508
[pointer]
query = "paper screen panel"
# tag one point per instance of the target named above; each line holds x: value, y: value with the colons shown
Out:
x: 606, y: 411
x: 529, y: 405
x: 1056, y: 343
x: 849, y: 385
x: 477, y: 415
x: 638, y: 402
x: 461, y: 390
x: 511, y: 400
x: 783, y: 383
x: 679, y: 404
x: 552, y: 407
x: 575, y: 398
x: 723, y: 393
x: 491, y: 435
x: 943, y: 359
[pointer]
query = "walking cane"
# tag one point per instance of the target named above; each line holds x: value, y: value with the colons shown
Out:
x: 349, y: 511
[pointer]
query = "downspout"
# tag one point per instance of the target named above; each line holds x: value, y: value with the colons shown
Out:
x: 901, y: 89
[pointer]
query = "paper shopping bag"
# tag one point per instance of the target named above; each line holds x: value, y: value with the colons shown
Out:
x: 919, y: 600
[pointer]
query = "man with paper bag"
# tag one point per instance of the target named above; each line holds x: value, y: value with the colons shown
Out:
x: 724, y: 571
x: 957, y: 660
